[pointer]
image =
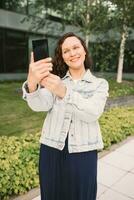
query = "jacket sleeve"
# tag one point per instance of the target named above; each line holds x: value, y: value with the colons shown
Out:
x: 88, y: 109
x: 39, y: 100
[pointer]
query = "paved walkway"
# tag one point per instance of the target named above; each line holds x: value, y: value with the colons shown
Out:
x: 116, y: 174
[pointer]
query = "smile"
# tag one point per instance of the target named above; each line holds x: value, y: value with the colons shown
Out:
x: 74, y: 59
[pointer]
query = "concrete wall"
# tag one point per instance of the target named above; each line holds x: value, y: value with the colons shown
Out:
x: 13, y: 20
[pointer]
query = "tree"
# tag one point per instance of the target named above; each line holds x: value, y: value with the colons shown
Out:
x: 14, y: 5
x: 89, y: 15
x: 124, y: 16
x: 42, y: 11
x: 92, y: 17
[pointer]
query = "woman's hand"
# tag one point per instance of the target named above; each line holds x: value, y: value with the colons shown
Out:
x: 38, y: 71
x: 54, y: 84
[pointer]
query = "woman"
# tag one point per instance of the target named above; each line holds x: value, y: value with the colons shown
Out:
x: 74, y: 100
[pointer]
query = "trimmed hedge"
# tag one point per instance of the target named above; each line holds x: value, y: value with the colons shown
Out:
x: 19, y: 155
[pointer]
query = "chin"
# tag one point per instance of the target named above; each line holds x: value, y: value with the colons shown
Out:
x: 76, y: 66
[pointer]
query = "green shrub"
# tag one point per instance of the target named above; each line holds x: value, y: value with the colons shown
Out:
x: 18, y: 164
x: 117, y: 124
x: 19, y: 155
x: 125, y: 88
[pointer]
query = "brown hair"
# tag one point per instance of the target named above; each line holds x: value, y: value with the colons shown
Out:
x: 60, y: 68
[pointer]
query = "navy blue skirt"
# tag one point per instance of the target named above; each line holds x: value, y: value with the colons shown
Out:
x: 67, y: 176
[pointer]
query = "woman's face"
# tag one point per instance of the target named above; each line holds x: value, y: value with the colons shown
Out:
x: 73, y: 53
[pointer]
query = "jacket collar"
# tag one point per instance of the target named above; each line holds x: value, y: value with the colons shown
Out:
x: 88, y: 76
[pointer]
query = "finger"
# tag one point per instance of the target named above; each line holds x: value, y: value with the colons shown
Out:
x: 45, y: 60
x: 43, y: 70
x: 50, y: 80
x: 32, y: 58
x: 43, y: 75
x: 53, y: 76
x: 47, y: 85
x: 43, y: 65
x: 43, y: 82
x: 37, y: 68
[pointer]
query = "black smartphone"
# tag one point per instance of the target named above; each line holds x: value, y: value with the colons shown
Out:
x: 40, y: 49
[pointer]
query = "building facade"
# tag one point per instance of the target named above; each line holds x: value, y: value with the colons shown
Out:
x: 17, y: 31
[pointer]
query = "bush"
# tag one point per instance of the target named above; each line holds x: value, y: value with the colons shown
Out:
x: 19, y: 155
x: 18, y: 164
x: 116, y: 125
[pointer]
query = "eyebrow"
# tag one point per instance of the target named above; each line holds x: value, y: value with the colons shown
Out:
x: 71, y: 46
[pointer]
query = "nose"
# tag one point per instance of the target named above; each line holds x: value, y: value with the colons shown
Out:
x: 72, y: 52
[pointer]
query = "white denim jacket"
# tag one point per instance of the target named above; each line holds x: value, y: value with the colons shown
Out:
x: 76, y: 114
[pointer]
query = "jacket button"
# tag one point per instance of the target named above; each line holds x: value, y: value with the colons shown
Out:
x: 72, y: 135
x: 71, y: 120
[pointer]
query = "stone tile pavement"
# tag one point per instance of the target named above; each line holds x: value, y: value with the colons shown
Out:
x: 116, y: 174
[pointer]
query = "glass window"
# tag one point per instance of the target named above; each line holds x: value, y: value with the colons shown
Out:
x: 1, y: 51
x: 1, y: 4
x: 16, y: 51
x: 13, y: 51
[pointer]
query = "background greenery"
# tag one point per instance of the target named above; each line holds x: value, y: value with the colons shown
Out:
x: 16, y: 117
x: 105, y: 55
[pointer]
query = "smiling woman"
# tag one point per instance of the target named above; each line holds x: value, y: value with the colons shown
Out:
x: 74, y: 56
x: 71, y: 134
x: 73, y: 49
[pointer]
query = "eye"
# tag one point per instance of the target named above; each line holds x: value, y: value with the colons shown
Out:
x: 76, y: 47
x: 65, y: 51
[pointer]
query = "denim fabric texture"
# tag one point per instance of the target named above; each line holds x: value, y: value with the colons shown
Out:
x: 76, y: 114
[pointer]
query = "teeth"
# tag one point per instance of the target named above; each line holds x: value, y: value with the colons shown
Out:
x: 74, y: 59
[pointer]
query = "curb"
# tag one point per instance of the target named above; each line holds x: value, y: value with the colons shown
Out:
x: 29, y: 195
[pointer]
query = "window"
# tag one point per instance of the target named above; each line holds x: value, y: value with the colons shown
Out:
x: 14, y: 51
x: 1, y: 51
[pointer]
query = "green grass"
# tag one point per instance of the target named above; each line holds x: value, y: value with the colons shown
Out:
x: 16, y: 117
x: 120, y: 89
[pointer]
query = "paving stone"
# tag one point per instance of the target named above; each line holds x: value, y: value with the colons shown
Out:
x: 119, y: 160
x: 126, y: 185
x: 127, y: 149
x: 113, y: 195
x: 101, y: 189
x: 108, y: 175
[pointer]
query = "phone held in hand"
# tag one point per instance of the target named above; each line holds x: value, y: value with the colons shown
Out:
x: 40, y: 49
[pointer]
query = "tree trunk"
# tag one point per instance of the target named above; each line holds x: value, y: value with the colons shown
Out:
x: 88, y: 22
x: 87, y: 40
x: 121, y: 54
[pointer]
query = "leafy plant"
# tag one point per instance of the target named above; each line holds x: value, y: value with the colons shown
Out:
x: 19, y: 164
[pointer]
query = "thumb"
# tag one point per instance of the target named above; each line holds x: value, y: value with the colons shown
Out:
x: 32, y: 58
